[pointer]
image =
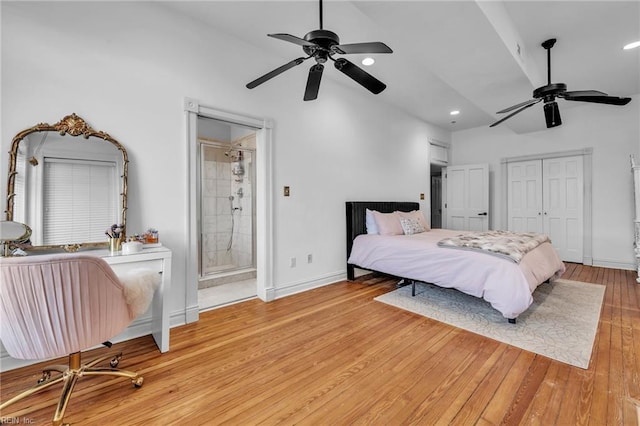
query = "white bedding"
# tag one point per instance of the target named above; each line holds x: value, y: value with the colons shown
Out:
x: 506, y: 285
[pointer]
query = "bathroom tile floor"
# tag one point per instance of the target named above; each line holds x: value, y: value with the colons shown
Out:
x: 225, y: 294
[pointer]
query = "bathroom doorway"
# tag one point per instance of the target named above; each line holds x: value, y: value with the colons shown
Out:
x: 436, y: 196
x: 226, y: 213
x: 196, y: 116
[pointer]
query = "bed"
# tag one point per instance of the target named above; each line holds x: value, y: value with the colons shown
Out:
x: 506, y: 284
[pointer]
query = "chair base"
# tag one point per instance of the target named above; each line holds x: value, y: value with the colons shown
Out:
x: 69, y: 375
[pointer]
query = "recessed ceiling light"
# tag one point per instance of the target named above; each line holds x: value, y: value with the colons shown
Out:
x: 632, y: 45
x: 455, y: 112
x: 368, y: 62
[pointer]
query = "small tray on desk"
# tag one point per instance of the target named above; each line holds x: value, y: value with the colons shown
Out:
x: 151, y: 245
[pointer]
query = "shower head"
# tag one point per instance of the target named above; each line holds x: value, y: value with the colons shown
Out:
x: 234, y: 152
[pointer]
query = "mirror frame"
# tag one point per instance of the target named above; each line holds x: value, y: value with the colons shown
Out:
x: 72, y: 125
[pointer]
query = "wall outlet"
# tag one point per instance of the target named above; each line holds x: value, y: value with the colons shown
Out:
x: 309, y: 258
x: 422, y: 195
x: 292, y: 262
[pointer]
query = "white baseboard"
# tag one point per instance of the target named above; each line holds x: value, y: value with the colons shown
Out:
x: 300, y: 286
x: 191, y: 314
x: 269, y: 295
x: 614, y: 265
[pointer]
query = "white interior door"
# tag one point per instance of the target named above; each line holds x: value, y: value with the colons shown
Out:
x: 467, y: 197
x: 563, y: 200
x: 524, y: 199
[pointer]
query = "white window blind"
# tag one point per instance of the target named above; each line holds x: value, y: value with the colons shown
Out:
x: 81, y: 198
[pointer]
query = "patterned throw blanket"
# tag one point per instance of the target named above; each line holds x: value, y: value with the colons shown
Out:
x: 505, y: 244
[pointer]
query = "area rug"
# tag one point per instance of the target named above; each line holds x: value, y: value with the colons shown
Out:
x: 561, y: 323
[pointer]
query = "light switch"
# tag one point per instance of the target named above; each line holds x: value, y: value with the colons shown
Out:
x: 286, y: 191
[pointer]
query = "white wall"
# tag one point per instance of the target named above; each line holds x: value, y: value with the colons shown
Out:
x: 612, y: 131
x: 126, y: 68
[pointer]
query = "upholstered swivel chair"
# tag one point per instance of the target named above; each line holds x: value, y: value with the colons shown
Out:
x: 59, y: 305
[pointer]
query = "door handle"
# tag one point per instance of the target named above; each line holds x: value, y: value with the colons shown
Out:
x: 482, y: 214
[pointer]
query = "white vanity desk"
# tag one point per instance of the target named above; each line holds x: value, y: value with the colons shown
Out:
x: 155, y: 321
x: 69, y: 141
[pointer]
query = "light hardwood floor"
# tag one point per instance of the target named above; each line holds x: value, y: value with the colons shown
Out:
x: 333, y: 356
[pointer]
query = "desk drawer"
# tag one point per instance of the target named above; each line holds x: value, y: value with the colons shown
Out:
x: 156, y: 265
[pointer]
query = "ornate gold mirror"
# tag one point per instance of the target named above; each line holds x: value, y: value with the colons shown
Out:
x: 69, y: 190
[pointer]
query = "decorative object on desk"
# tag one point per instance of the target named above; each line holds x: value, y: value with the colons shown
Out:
x: 115, y: 234
x: 151, y: 237
x: 137, y: 237
x: 115, y: 245
x: 131, y: 246
x: 115, y: 231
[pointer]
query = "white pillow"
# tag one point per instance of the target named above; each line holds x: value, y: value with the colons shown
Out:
x: 370, y: 221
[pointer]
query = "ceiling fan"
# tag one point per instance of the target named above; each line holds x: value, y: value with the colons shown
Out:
x: 322, y: 45
x: 551, y: 91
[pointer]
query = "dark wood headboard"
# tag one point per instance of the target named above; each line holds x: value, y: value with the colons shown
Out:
x: 356, y: 219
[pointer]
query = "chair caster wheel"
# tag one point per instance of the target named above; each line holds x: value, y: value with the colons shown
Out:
x: 137, y: 383
x: 114, y: 362
x: 45, y: 377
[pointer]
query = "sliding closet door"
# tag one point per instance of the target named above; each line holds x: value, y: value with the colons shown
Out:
x: 563, y: 200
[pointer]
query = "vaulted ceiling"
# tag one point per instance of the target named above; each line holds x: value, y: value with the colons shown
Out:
x: 477, y: 57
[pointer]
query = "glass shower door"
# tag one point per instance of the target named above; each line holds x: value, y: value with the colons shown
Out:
x: 227, y: 209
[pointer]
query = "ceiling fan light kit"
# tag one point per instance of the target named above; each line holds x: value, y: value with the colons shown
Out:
x: 322, y: 45
x: 551, y: 91
x: 552, y: 114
